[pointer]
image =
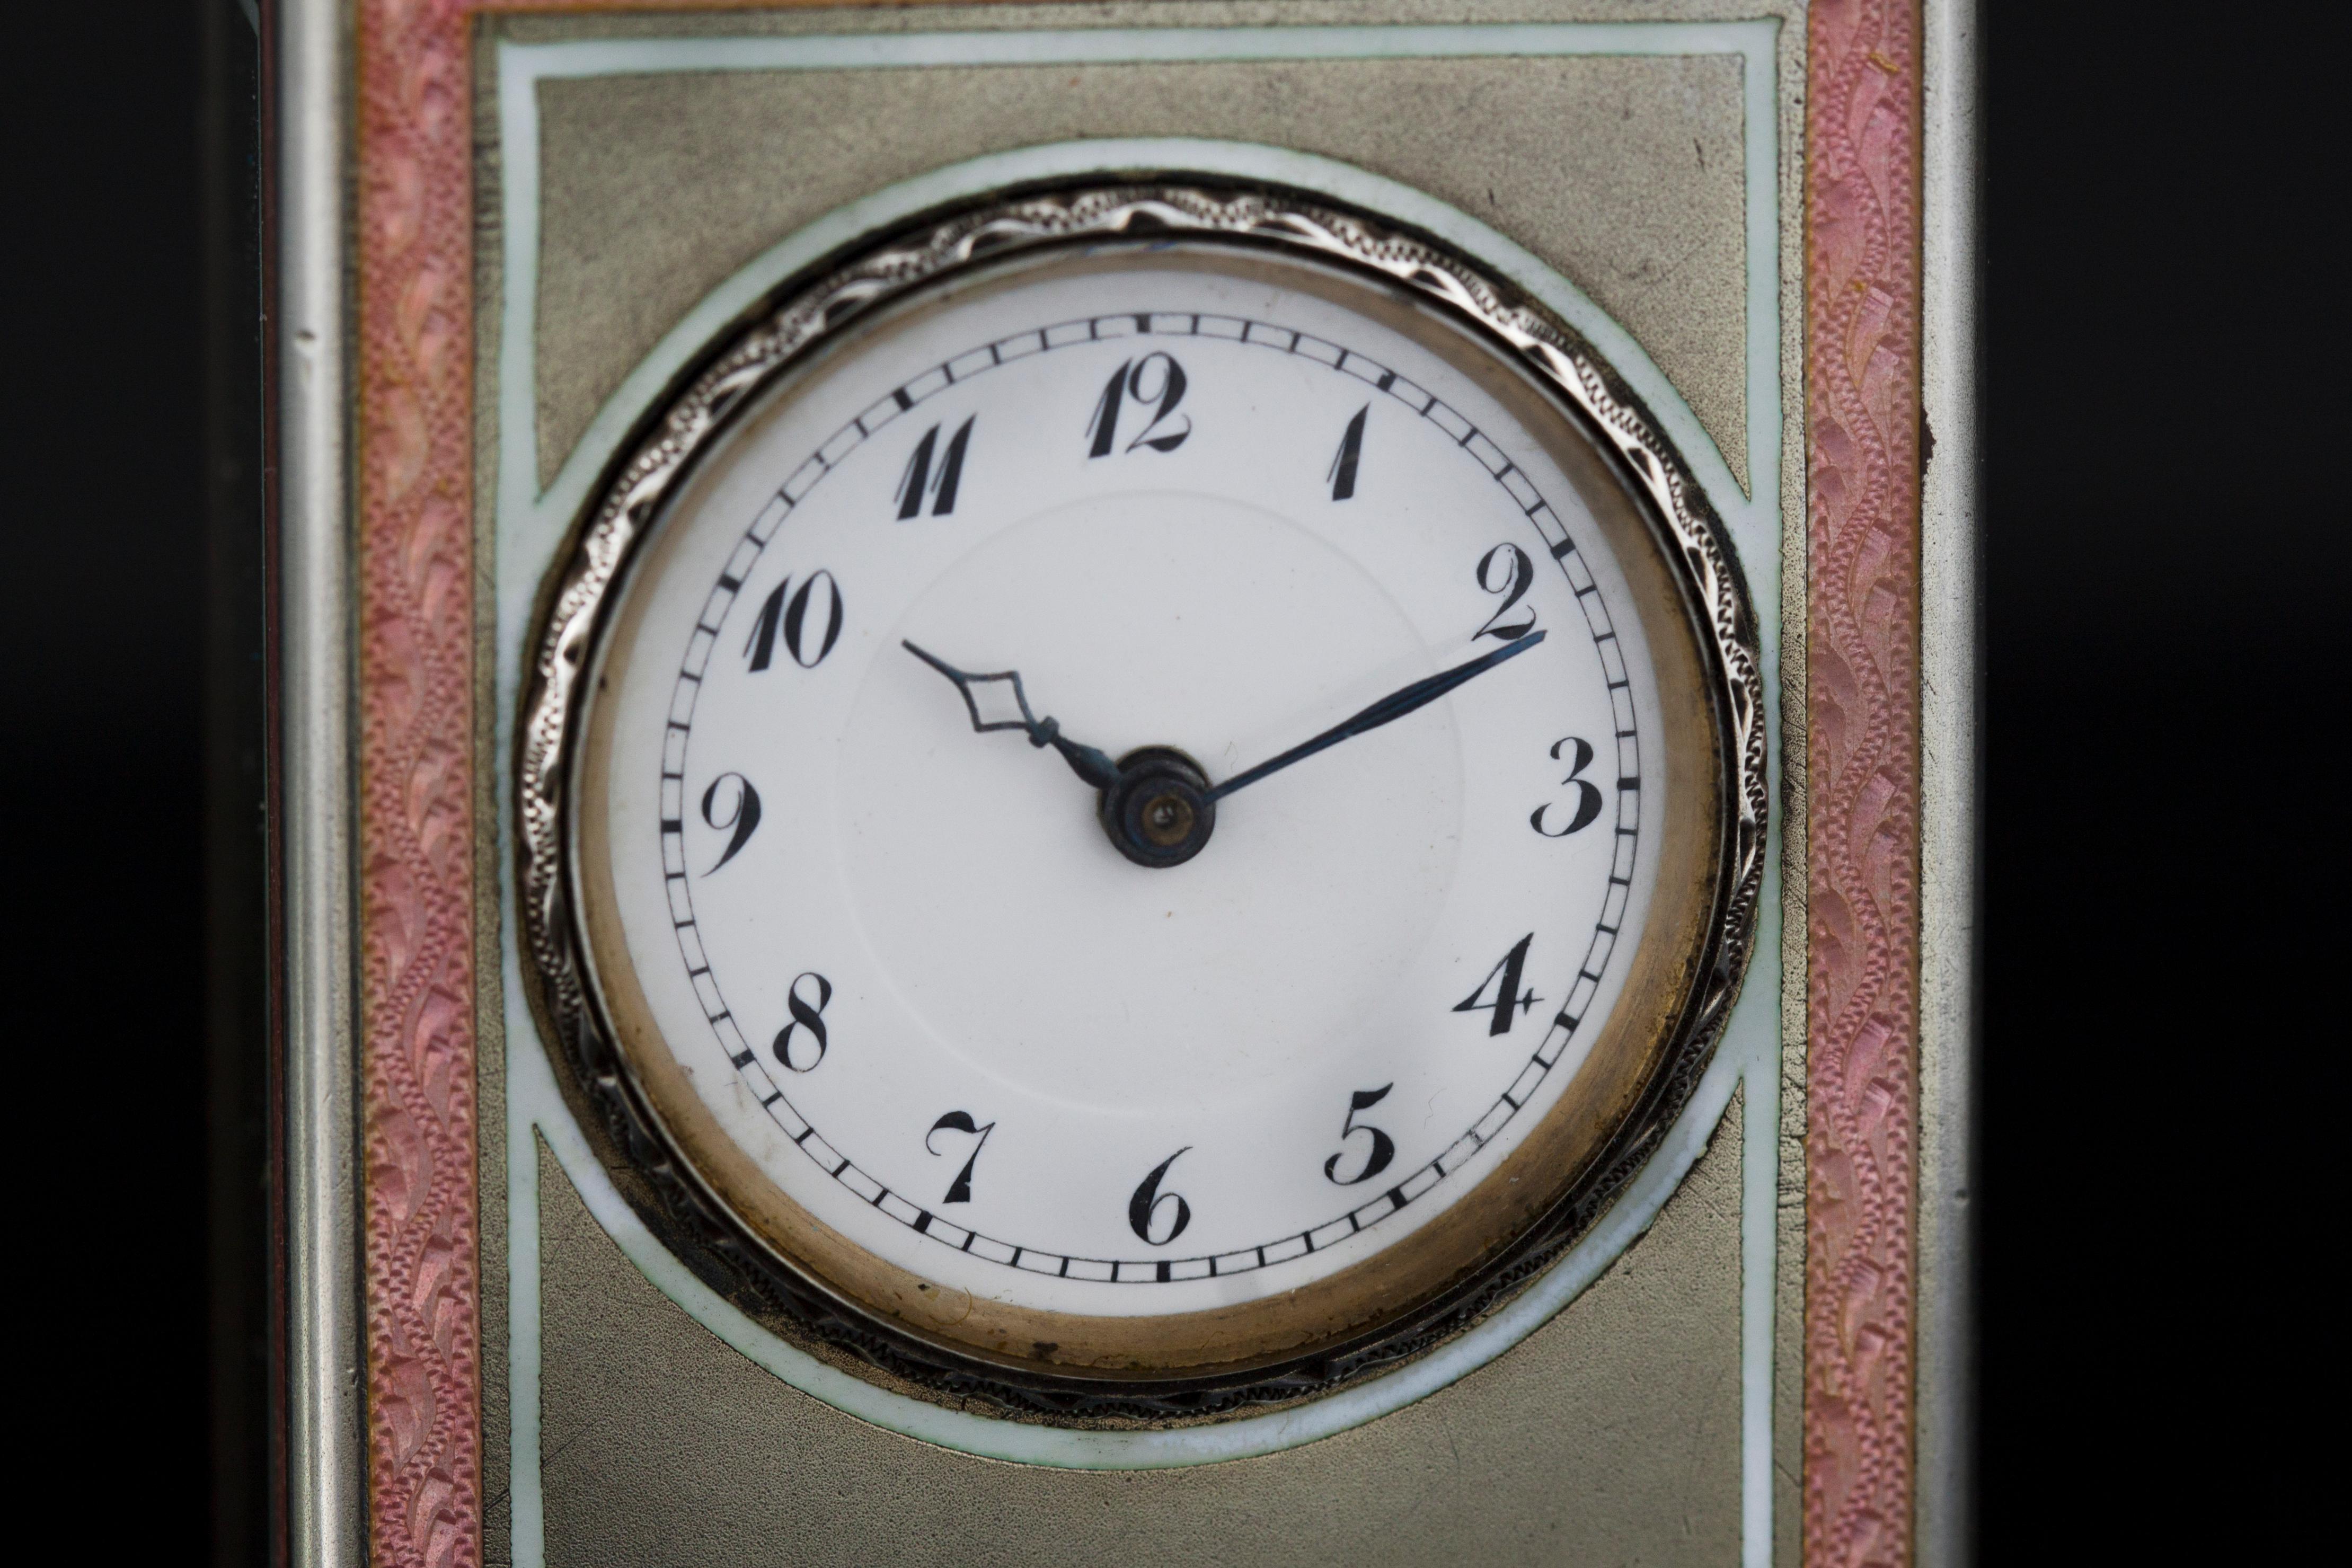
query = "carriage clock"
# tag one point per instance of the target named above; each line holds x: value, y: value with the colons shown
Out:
x: 1177, y: 780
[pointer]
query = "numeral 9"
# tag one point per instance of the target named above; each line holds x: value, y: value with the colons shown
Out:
x: 742, y: 813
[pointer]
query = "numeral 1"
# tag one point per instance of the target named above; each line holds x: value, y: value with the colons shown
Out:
x: 1342, y: 472
x: 743, y: 814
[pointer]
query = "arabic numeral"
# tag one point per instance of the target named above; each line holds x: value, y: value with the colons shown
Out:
x: 1506, y: 569
x: 787, y: 613
x: 742, y: 813
x: 1588, y: 793
x: 1156, y: 380
x: 1508, y: 1003
x: 1341, y: 474
x: 802, y: 1053
x: 1383, y: 1147
x: 918, y: 479
x: 959, y: 1189
x: 1144, y: 1209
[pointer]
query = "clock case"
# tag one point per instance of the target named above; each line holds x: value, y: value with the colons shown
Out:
x: 606, y: 1090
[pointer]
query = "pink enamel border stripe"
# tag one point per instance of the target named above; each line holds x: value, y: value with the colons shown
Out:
x: 1862, y: 976
x: 421, y: 1144
x: 419, y: 1138
x: 421, y: 1241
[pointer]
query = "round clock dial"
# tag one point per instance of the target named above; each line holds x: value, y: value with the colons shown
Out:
x: 1145, y: 812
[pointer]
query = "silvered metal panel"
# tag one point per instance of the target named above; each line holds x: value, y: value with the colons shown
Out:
x: 325, y: 1473
x: 1951, y: 658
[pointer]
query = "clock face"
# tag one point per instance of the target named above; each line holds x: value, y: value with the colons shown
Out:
x: 1146, y: 811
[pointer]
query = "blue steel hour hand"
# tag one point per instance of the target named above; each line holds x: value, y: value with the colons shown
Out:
x: 1088, y: 763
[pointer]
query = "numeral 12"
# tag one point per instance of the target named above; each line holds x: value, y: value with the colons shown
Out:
x: 1164, y: 391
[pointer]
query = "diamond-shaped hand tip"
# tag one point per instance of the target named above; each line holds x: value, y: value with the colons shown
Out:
x: 995, y: 688
x: 997, y: 701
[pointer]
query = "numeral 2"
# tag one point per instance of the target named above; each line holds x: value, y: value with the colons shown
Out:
x: 1519, y: 575
x: 1135, y: 378
x: 960, y: 1190
x: 1341, y: 474
x: 918, y: 476
x: 1503, y: 977
x: 790, y: 616
x: 1587, y: 796
x: 1383, y: 1147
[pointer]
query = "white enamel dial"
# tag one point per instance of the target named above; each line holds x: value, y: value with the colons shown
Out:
x: 903, y: 963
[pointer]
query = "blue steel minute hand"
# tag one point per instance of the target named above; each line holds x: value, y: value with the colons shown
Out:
x: 1395, y: 705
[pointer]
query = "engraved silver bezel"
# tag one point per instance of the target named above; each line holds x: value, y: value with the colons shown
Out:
x: 663, y: 1185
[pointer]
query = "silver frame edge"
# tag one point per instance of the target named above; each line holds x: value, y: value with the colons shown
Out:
x: 1951, y: 665
x: 325, y: 1472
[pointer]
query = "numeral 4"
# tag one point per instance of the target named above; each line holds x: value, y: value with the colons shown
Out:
x: 1503, y: 979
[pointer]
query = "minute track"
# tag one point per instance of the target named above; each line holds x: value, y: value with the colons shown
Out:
x: 837, y: 451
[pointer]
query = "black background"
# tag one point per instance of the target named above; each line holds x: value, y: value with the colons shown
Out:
x: 2164, y: 406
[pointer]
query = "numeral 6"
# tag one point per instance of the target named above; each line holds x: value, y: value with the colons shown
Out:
x: 1143, y: 1210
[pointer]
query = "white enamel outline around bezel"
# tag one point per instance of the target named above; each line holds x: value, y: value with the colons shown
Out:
x: 632, y: 502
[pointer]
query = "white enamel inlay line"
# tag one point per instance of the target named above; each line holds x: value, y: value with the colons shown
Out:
x: 529, y: 526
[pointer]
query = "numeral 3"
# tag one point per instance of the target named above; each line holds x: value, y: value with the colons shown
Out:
x: 1588, y: 793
